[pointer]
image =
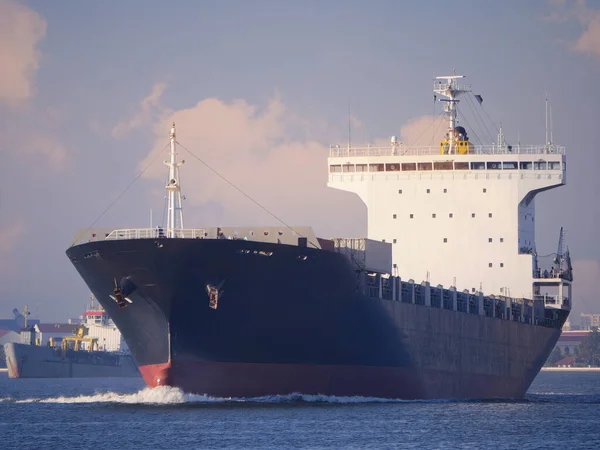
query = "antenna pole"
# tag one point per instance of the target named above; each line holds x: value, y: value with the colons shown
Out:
x: 551, y: 127
x: 546, y: 94
x: 349, y: 127
x: 173, y: 187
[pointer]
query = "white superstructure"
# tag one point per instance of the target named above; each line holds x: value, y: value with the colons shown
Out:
x: 99, y: 325
x: 459, y: 214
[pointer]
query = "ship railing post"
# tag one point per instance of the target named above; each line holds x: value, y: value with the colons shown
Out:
x: 362, y: 280
x: 560, y: 294
x: 427, y: 293
x: 480, y: 310
x: 454, y: 296
x: 522, y: 302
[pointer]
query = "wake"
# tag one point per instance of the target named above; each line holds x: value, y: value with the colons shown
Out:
x: 166, y: 395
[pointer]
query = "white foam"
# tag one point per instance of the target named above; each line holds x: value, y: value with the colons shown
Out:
x: 165, y: 395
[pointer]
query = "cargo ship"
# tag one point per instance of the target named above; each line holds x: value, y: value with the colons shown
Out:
x: 80, y: 355
x: 254, y: 311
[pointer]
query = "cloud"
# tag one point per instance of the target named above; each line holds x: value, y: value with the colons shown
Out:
x: 9, y: 240
x: 254, y: 149
x: 589, y: 21
x: 423, y: 130
x: 53, y: 153
x: 144, y: 115
x: 589, y: 41
x: 21, y: 29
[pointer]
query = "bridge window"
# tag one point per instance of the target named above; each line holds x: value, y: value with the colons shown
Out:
x: 424, y: 166
x: 409, y: 166
x: 490, y: 265
x: 490, y: 215
x: 526, y: 165
x: 361, y: 167
x: 392, y: 167
x: 477, y: 166
x: 395, y: 241
x: 445, y: 240
x: 433, y: 216
x: 554, y: 165
x: 489, y: 239
x: 510, y: 165
x: 442, y: 165
x: 473, y: 215
x: 394, y: 216
x: 540, y: 165
x: 335, y: 169
x: 428, y: 191
x: 501, y: 264
x: 445, y: 191
x: 450, y: 215
x: 399, y: 191
x: 494, y: 165
x: 348, y: 167
x: 461, y: 166
x: 501, y: 239
x: 375, y: 167
x: 411, y: 216
x: 484, y: 190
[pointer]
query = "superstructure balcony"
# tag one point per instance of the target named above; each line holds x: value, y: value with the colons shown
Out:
x: 398, y: 149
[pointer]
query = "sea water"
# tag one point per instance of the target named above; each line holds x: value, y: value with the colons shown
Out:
x: 561, y: 410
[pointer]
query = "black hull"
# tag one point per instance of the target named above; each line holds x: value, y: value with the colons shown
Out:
x: 295, y: 321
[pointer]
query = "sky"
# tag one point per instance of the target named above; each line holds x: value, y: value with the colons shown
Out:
x: 258, y: 90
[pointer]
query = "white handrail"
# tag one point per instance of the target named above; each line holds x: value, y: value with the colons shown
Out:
x: 155, y: 233
x: 402, y: 150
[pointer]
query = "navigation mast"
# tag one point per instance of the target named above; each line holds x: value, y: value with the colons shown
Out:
x: 174, y: 205
x: 450, y: 89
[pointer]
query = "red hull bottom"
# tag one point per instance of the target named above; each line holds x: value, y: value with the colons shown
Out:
x: 249, y: 380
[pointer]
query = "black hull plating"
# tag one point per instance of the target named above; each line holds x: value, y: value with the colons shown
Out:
x: 298, y: 308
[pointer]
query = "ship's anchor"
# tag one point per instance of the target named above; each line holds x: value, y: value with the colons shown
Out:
x: 121, y: 291
x: 213, y: 294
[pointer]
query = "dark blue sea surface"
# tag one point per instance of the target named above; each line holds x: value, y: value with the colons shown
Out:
x: 561, y: 410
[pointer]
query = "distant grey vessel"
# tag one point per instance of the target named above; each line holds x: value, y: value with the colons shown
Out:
x: 77, y: 356
x: 32, y: 361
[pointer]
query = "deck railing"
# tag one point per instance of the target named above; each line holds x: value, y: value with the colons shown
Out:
x: 155, y: 233
x: 402, y: 150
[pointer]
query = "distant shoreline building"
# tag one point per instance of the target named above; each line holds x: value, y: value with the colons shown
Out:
x: 590, y: 321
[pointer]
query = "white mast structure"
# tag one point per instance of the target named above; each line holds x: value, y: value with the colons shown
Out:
x: 450, y: 89
x: 174, y: 205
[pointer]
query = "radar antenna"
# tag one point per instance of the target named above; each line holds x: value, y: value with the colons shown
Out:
x: 174, y: 206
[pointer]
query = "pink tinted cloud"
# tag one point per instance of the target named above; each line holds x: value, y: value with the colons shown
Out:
x: 252, y: 147
x: 144, y: 115
x: 589, y: 41
x: 21, y: 30
x: 589, y: 20
x: 45, y: 152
